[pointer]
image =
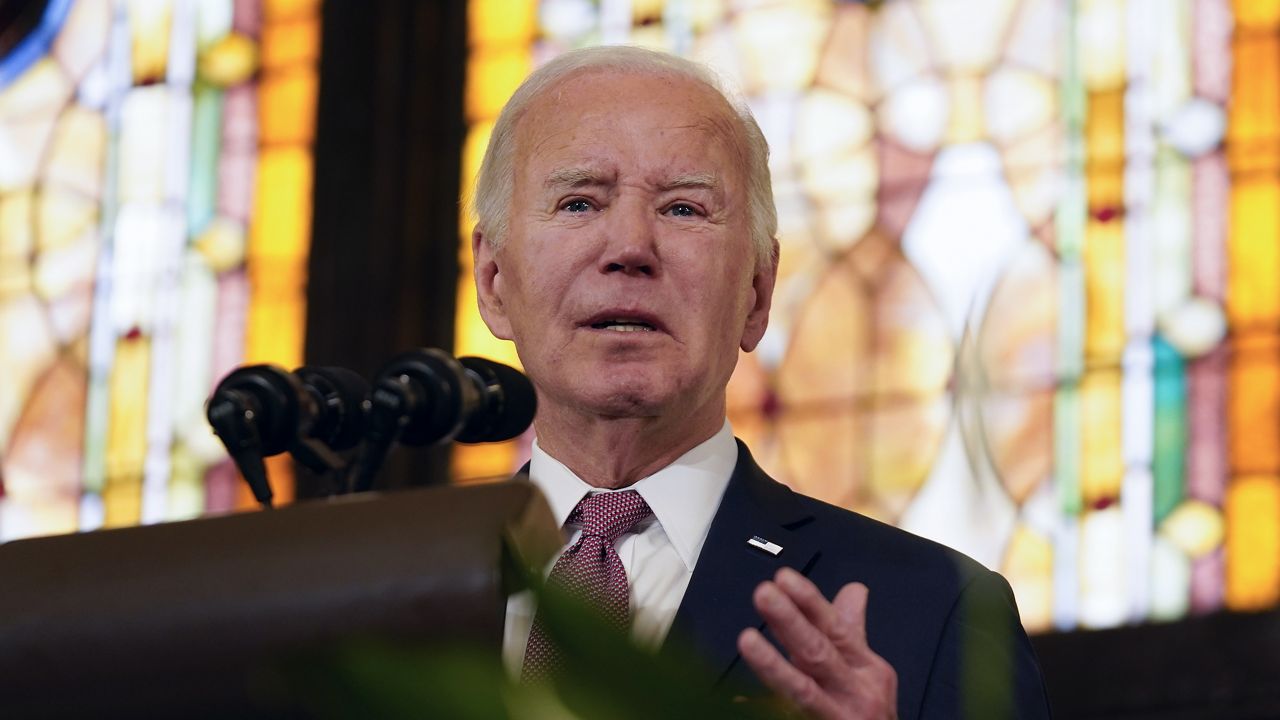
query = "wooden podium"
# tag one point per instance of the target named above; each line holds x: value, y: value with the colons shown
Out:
x: 175, y: 619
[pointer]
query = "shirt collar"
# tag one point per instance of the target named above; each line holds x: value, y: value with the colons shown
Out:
x: 684, y: 495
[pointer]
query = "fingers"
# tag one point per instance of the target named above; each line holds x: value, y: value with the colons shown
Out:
x: 804, y: 640
x: 781, y: 676
x: 841, y: 621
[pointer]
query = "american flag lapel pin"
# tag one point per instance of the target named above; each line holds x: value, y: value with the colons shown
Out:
x: 760, y: 543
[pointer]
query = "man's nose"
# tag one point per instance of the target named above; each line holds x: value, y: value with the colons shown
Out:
x: 631, y: 243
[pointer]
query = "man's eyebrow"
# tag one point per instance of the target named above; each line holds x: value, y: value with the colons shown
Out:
x: 573, y: 177
x: 705, y: 181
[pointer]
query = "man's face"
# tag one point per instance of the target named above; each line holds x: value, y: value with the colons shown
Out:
x: 628, y: 279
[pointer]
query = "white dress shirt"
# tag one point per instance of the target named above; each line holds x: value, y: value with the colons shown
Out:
x: 659, y: 555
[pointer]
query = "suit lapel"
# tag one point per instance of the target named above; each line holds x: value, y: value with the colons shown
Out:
x: 717, y: 605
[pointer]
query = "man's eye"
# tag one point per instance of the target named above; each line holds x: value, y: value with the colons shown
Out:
x: 682, y: 210
x: 576, y: 206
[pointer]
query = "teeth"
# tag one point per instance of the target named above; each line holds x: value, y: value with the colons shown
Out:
x: 627, y: 327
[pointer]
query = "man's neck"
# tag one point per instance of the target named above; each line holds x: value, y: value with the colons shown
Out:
x: 618, y: 452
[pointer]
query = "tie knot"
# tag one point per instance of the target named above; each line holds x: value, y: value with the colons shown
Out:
x: 610, y: 514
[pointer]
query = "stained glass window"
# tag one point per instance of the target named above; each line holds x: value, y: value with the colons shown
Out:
x: 155, y: 171
x: 1031, y: 247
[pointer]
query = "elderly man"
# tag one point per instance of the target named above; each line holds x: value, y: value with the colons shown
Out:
x: 626, y: 245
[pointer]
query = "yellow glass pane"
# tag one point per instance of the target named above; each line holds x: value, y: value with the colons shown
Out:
x: 1104, y: 277
x: 1256, y: 14
x: 492, y: 23
x: 1028, y: 566
x: 966, y: 118
x: 1253, y: 405
x: 63, y: 218
x: 290, y: 9
x: 281, y: 226
x: 17, y: 236
x: 1253, y: 253
x: 149, y: 23
x: 1104, y: 127
x: 492, y: 75
x: 1253, y: 123
x: 77, y: 153
x: 1194, y: 527
x: 222, y: 244
x: 291, y: 43
x: 277, y: 313
x: 1253, y: 542
x: 287, y: 106
x: 42, y: 90
x: 126, y: 431
x: 229, y: 61
x: 1101, y: 459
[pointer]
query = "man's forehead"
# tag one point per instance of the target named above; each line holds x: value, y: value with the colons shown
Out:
x: 607, y: 174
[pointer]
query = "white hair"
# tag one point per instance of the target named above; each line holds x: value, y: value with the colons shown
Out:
x: 495, y: 181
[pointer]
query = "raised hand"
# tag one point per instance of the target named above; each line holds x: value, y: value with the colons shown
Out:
x: 832, y: 672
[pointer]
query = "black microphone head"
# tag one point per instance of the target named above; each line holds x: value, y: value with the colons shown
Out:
x: 280, y: 404
x: 442, y: 396
x: 340, y: 394
x: 507, y: 406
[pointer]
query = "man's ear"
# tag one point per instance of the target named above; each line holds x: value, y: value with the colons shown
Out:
x: 489, y: 283
x: 761, y: 300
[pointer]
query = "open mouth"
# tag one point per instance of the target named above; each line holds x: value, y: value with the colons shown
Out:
x: 623, y: 325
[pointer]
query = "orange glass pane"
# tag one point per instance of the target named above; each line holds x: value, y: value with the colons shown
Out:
x: 489, y: 461
x: 291, y: 43
x: 491, y: 23
x: 290, y: 9
x: 127, y: 431
x: 1104, y: 278
x: 1253, y: 542
x: 1256, y: 14
x: 1101, y: 460
x: 1104, y: 126
x: 492, y: 75
x: 287, y: 106
x: 1253, y: 405
x: 1253, y: 123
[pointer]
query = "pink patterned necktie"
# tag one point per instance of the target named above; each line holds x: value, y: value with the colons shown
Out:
x: 591, y: 571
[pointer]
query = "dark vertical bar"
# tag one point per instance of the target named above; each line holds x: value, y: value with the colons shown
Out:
x: 383, y: 266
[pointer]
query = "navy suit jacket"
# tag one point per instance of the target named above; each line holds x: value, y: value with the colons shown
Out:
x: 946, y: 624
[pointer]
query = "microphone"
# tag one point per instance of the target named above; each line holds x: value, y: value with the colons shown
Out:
x: 507, y: 402
x: 262, y: 410
x: 426, y: 396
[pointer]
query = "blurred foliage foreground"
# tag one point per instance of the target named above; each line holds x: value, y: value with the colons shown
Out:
x: 605, y: 675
